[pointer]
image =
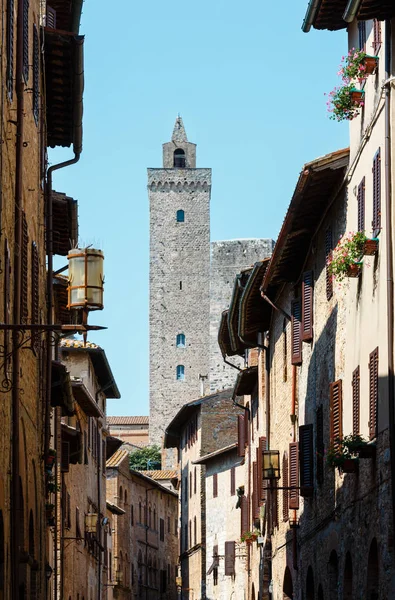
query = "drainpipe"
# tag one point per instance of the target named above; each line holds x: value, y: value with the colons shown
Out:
x: 18, y: 201
x: 390, y: 266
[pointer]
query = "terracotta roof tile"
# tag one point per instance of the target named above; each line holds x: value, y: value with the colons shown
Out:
x: 128, y: 420
x: 117, y: 458
x: 165, y: 474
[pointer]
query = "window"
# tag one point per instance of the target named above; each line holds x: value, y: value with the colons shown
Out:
x: 36, y: 74
x: 376, y: 223
x: 307, y: 306
x: 131, y: 515
x: 180, y: 340
x: 230, y: 548
x: 306, y: 460
x: 25, y: 68
x: 373, y: 392
x: 336, y: 412
x: 168, y: 524
x: 175, y: 527
x: 362, y: 35
x: 162, y: 530
x: 294, y: 475
x: 296, y: 327
x: 361, y: 205
x: 180, y: 372
x: 180, y: 216
x: 215, y: 485
x: 179, y: 159
x: 355, y: 402
x: 10, y: 47
x: 140, y: 512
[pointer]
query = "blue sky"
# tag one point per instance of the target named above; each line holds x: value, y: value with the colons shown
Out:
x: 249, y: 85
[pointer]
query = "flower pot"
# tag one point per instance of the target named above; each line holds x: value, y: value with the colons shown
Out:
x: 357, y: 96
x: 354, y: 270
x: 49, y: 460
x: 371, y: 246
x: 350, y: 465
x: 252, y: 539
x: 370, y: 63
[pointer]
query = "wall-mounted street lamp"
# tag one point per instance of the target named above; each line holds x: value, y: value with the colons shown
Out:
x: 91, y: 522
x: 271, y: 464
x: 86, y: 280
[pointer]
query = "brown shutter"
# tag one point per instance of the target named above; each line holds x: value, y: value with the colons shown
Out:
x: 247, y: 428
x: 376, y: 35
x: 35, y: 316
x: 255, y: 501
x: 336, y: 412
x: 320, y: 444
x: 373, y: 392
x: 215, y: 485
x: 230, y: 558
x: 355, y: 402
x: 243, y: 515
x: 307, y: 307
x: 233, y: 481
x: 294, y: 474
x: 285, y: 491
x: 262, y: 483
x: 306, y: 460
x: 65, y: 462
x: 296, y: 332
x: 50, y: 19
x: 376, y: 223
x: 25, y: 270
x: 25, y: 68
x: 328, y: 260
x: 361, y: 205
x: 10, y: 48
x: 36, y: 74
x: 241, y: 435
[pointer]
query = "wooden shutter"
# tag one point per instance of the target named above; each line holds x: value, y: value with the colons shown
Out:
x: 296, y: 332
x: 320, y: 444
x: 25, y: 67
x: 243, y: 515
x: 285, y: 491
x: 328, y: 260
x: 230, y: 558
x: 255, y: 503
x: 215, y: 485
x: 35, y: 315
x: 65, y: 462
x: 262, y: 483
x: 233, y: 481
x: 376, y: 35
x: 355, y: 402
x: 247, y: 428
x: 50, y: 18
x: 274, y: 496
x: 361, y: 205
x: 373, y: 392
x: 25, y: 270
x: 376, y: 223
x: 241, y: 435
x: 294, y: 475
x: 307, y: 306
x: 336, y: 412
x: 10, y: 48
x: 36, y: 74
x: 306, y: 460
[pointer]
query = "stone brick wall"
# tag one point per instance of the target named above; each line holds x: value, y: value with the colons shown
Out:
x: 228, y: 257
x: 179, y: 289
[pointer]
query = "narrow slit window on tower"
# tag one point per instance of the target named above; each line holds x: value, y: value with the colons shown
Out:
x: 180, y: 340
x: 180, y: 216
x: 180, y: 372
x: 180, y: 285
x: 179, y: 159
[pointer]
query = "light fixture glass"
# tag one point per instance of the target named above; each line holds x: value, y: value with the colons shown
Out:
x: 86, y: 279
x: 91, y: 522
x: 271, y: 464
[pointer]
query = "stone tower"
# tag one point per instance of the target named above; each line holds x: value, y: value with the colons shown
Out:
x: 179, y: 197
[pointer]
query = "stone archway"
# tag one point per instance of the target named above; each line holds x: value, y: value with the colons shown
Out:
x: 288, y: 591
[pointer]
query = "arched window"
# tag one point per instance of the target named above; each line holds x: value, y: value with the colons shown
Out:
x: 154, y: 518
x: 180, y: 216
x: 180, y: 372
x: 126, y: 497
x: 287, y: 585
x: 140, y: 513
x: 180, y: 340
x: 179, y: 159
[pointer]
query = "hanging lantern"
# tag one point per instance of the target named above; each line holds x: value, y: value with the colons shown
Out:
x: 85, y: 289
x: 271, y: 464
x: 91, y: 522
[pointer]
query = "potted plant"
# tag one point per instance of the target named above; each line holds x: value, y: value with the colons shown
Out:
x: 249, y: 536
x: 342, y: 454
x: 371, y: 246
x: 344, y: 102
x: 52, y: 487
x: 50, y: 458
x: 357, y: 65
x: 356, y: 445
x: 345, y: 260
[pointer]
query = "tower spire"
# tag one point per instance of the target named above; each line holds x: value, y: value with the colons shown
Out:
x: 179, y: 133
